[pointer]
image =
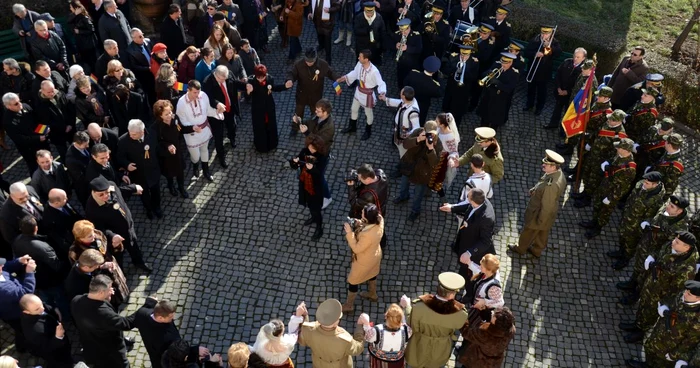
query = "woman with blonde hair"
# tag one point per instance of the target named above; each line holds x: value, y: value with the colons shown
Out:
x: 273, y: 347
x: 387, y: 341
x: 165, y: 84
x: 484, y: 292
x: 117, y: 74
x: 238, y: 355
x: 7, y: 361
x: 216, y: 41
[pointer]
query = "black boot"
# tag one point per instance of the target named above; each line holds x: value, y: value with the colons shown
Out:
x: 171, y: 187
x: 318, y: 233
x: 620, y: 264
x: 367, y: 134
x: 352, y: 127
x: 181, y: 185
x: 205, y: 170
x: 195, y: 171
x: 593, y: 232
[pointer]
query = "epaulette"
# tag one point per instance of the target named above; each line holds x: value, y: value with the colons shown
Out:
x: 416, y: 33
x: 446, y: 22
x: 516, y: 70
x: 397, y: 32
x: 436, y: 82
x: 508, y: 24
x: 549, y: 182
x: 475, y: 59
x: 492, y: 17
x: 522, y: 59
x: 492, y: 40
x: 453, y: 54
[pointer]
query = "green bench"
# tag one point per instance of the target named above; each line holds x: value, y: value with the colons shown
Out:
x: 555, y: 64
x: 10, y: 46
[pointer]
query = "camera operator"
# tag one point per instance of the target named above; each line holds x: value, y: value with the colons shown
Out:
x: 365, y: 186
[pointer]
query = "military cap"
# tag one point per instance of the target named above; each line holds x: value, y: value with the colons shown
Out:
x: 368, y: 5
x: 502, y: 10
x: 552, y: 158
x: 484, y: 134
x: 546, y: 28
x: 686, y: 237
x: 465, y: 49
x: 617, y: 115
x: 218, y: 16
x: 587, y: 65
x: 650, y: 91
x: 654, y: 79
x: 431, y: 64
x: 666, y: 123
x: 653, y: 176
x: 625, y: 143
x: 679, y: 201
x: 674, y: 138
x: 604, y: 92
x: 403, y: 23
x: 451, y: 281
x: 485, y: 28
x: 438, y: 7
x: 515, y: 46
x: 329, y: 312
x: 507, y: 57
x: 99, y: 184
x: 2, y: 261
x: 693, y: 286
x: 431, y: 127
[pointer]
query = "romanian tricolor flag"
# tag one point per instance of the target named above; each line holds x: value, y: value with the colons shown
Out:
x: 41, y: 129
x: 576, y: 117
x: 261, y: 16
x: 362, y: 84
x: 180, y: 87
x: 225, y: 14
x: 93, y: 78
x: 336, y: 87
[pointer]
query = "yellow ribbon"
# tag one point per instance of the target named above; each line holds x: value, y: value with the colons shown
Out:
x: 146, y: 155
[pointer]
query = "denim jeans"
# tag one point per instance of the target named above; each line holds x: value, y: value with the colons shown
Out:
x: 294, y: 47
x: 418, y: 193
x: 323, y: 165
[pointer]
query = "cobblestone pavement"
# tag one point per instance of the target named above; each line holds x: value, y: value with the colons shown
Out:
x: 237, y: 255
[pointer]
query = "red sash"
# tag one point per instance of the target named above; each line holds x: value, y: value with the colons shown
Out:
x: 676, y: 164
x: 651, y: 147
x: 614, y: 170
x: 600, y: 112
x: 611, y: 134
x: 652, y: 111
x: 369, y: 92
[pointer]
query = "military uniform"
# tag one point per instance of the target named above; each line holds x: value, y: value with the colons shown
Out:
x: 492, y: 165
x: 642, y: 117
x: 411, y: 57
x: 598, y: 117
x: 461, y: 78
x: 434, y: 321
x: 425, y: 86
x: 501, y: 30
x: 694, y: 224
x: 670, y: 165
x: 542, y: 209
x: 538, y: 86
x: 485, y: 53
x: 634, y: 93
x: 436, y: 35
x: 496, y: 100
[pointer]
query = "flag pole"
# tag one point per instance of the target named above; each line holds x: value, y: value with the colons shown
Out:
x: 582, y: 141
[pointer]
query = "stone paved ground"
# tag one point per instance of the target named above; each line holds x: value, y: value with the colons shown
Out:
x: 237, y: 255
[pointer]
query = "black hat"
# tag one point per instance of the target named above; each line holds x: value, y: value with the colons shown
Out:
x: 653, y: 176
x: 310, y: 54
x: 679, y: 201
x: 693, y: 286
x: 686, y: 237
x: 369, y: 4
x: 218, y: 16
x: 99, y: 184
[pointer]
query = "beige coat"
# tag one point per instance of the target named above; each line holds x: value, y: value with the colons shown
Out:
x: 544, y: 203
x: 367, y: 253
x: 331, y: 349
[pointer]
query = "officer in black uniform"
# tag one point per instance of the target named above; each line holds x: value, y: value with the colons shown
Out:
x: 436, y: 32
x: 634, y: 93
x: 370, y: 36
x: 425, y: 85
x: 543, y: 49
x: 498, y: 91
x: 501, y: 28
x: 486, y: 49
x: 515, y: 48
x: 410, y: 51
x: 462, y: 71
x: 464, y: 12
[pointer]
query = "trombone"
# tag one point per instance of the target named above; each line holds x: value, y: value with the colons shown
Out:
x: 546, y: 50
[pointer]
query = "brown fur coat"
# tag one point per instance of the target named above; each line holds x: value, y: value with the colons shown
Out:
x: 485, y: 346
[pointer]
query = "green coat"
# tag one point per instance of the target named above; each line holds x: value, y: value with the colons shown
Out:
x: 661, y: 230
x: 640, y: 205
x: 434, y: 323
x: 331, y: 349
x: 642, y: 116
x: 676, y: 335
x: 694, y: 224
x: 671, y: 168
x: 493, y: 166
x: 544, y: 204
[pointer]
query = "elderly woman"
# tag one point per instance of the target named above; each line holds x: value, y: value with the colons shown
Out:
x: 443, y: 173
x: 273, y: 347
x: 387, y: 341
x: 165, y: 84
x: 484, y: 291
x: 117, y: 74
x: 187, y: 63
x: 311, y: 180
x: 486, y: 341
x: 260, y: 88
x: 90, y: 103
x: 168, y: 130
x: 192, y: 110
x: 364, y: 236
x: 231, y: 59
x: 87, y: 237
x: 23, y: 25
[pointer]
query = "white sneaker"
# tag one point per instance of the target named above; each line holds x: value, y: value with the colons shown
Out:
x: 348, y: 41
x: 326, y: 202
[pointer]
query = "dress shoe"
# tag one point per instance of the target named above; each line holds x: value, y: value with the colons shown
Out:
x: 627, y: 300
x: 223, y: 164
x: 171, y: 189
x: 620, y: 264
x: 309, y: 221
x: 634, y: 363
x: 592, y: 233
x: 129, y: 341
x: 398, y: 200
x: 144, y: 267
x: 615, y: 254
x: 149, y: 214
x: 158, y: 212
x: 576, y: 195
x: 184, y: 194
x: 538, y: 112
x: 514, y: 248
x: 318, y: 233
x: 413, y: 216
x: 634, y: 337
x: 587, y: 224
x: 326, y: 202
x: 581, y: 203
x: 550, y: 126
x: 626, y: 285
x: 629, y: 326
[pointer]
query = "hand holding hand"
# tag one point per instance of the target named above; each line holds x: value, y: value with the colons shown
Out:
x: 453, y: 162
x: 296, y: 159
x: 465, y: 258
x: 220, y: 108
x: 288, y: 84
x: 446, y: 207
x: 131, y: 167
x: 203, y: 352
x: 139, y: 189
x: 301, y: 310
x: 249, y: 88
x: 24, y: 259
x: 363, y: 319
x: 196, y: 129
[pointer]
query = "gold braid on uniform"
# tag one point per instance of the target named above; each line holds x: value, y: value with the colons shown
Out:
x: 439, y: 172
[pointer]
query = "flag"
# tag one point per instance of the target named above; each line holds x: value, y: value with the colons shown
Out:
x: 225, y: 14
x: 180, y: 87
x: 93, y: 78
x: 362, y: 84
x: 40, y: 129
x: 578, y: 113
x: 337, y: 89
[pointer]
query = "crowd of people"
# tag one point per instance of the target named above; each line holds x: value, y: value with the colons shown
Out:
x: 121, y: 111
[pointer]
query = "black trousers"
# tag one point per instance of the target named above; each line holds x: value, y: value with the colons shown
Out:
x: 217, y: 130
x: 538, y: 88
x: 355, y: 288
x: 324, y: 42
x: 131, y: 246
x: 150, y: 197
x: 560, y: 104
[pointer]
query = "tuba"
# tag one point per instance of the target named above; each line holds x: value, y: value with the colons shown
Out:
x: 429, y: 26
x: 471, y: 38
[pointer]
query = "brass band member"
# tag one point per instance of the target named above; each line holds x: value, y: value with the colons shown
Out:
x: 542, y: 50
x: 498, y: 85
x: 485, y: 53
x: 370, y: 32
x: 462, y: 72
x: 501, y: 29
x: 408, y: 50
x: 436, y: 32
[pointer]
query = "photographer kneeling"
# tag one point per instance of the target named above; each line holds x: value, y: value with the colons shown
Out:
x: 310, y: 161
x: 364, y: 236
x: 367, y: 185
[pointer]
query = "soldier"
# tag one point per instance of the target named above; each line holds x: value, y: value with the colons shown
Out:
x: 410, y: 44
x: 643, y: 114
x: 462, y: 72
x: 543, y: 49
x: 486, y: 146
x: 425, y: 85
x: 370, y: 32
x: 618, y: 176
x: 665, y: 278
x: 599, y: 150
x: 656, y: 232
x: 670, y: 164
x: 436, y: 32
x: 652, y: 144
x: 677, y: 333
x: 330, y: 344
x: 694, y: 224
x: 643, y: 202
x: 543, y: 206
x: 634, y: 93
x: 434, y: 320
x: 498, y: 92
x: 485, y: 53
x: 501, y: 29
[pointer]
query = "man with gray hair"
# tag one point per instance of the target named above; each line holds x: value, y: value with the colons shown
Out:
x: 138, y: 155
x: 23, y: 127
x: 139, y: 54
x: 23, y: 25
x: 23, y: 201
x: 223, y: 96
x: 564, y: 82
x: 54, y: 111
x: 17, y: 78
x: 114, y: 25
x: 48, y: 46
x: 111, y: 48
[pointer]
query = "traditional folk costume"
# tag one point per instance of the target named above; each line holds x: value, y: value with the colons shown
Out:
x: 406, y: 120
x: 368, y: 78
x: 194, y: 113
x: 443, y: 174
x: 387, y: 346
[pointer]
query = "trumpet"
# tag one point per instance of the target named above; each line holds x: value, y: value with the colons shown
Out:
x: 486, y: 81
x: 399, y: 51
x: 403, y: 12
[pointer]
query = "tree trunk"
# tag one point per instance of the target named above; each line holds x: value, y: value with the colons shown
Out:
x: 676, y: 49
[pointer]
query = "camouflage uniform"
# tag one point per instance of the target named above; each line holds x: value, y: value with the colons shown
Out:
x: 671, y: 167
x: 640, y: 205
x: 651, y: 148
x: 642, y: 117
x: 694, y: 224
x: 601, y: 150
x: 677, y: 334
x: 666, y: 277
x: 598, y: 117
x: 617, y: 179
